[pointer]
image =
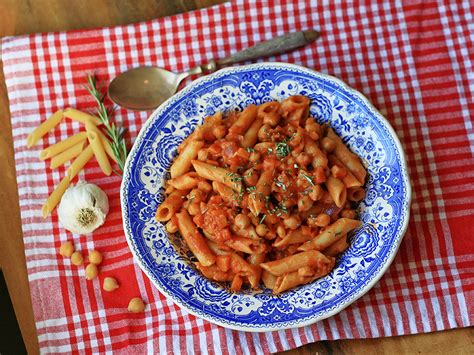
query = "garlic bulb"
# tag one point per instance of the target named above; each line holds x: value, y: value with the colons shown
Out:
x: 83, y: 208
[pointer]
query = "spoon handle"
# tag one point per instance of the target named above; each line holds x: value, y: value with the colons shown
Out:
x: 278, y: 45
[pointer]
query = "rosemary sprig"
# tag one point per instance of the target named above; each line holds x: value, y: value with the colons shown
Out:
x: 115, y: 132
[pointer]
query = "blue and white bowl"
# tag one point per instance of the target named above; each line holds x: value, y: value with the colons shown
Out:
x: 168, y: 262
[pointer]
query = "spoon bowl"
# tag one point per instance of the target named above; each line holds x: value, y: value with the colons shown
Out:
x: 144, y: 88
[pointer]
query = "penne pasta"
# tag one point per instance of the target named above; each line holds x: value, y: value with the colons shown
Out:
x: 294, y: 262
x: 349, y: 159
x: 182, y: 164
x: 195, y: 241
x: 107, y: 146
x: 338, y: 247
x: 67, y: 155
x: 331, y: 234
x: 215, y: 173
x: 55, y: 197
x: 170, y: 205
x: 44, y: 128
x: 62, y: 146
x: 80, y: 116
x: 337, y: 190
x: 245, y: 120
x: 79, y: 162
x: 251, y: 136
x: 96, y: 143
x: 262, y: 196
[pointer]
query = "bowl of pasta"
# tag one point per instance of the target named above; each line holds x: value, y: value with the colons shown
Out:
x: 265, y: 197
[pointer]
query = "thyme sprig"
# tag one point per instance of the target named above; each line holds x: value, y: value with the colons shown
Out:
x: 115, y: 132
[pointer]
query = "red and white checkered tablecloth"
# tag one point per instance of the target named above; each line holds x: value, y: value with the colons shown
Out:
x: 413, y: 60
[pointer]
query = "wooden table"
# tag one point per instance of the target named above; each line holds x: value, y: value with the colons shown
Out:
x: 28, y: 16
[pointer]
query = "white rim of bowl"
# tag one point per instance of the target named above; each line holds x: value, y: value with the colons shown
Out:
x: 150, y: 120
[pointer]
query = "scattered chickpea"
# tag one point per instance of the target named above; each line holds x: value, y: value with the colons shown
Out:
x: 204, y: 186
x: 219, y: 131
x: 91, y: 271
x: 281, y: 231
x: 328, y: 144
x: 76, y: 258
x: 304, y: 203
x: 136, y: 305
x: 292, y: 222
x: 348, y: 213
x: 322, y: 220
x: 95, y: 257
x: 303, y: 159
x: 316, y: 193
x: 194, y: 209
x: 66, y: 249
x: 242, y: 221
x: 110, y: 284
x: 261, y: 230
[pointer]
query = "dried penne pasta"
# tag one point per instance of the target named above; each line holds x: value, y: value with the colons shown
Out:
x: 96, y: 143
x: 80, y: 116
x: 79, y: 162
x: 44, y: 128
x: 67, y: 155
x: 61, y: 146
x: 107, y: 146
x: 55, y: 197
x: 266, y: 196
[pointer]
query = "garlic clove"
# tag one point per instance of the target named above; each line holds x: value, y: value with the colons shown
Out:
x: 83, y: 208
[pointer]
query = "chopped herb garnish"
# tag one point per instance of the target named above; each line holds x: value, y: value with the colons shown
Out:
x: 282, y: 149
x: 263, y: 218
x: 251, y: 188
x: 308, y: 178
x: 281, y: 185
x: 250, y: 150
x: 270, y: 150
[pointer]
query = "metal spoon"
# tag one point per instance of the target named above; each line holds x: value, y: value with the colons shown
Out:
x: 145, y: 88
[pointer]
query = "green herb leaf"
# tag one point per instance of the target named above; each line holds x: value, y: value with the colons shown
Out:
x: 282, y: 149
x: 116, y: 134
x: 308, y: 178
x: 262, y: 219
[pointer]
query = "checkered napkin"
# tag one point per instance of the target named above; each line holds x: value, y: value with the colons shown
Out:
x: 413, y: 61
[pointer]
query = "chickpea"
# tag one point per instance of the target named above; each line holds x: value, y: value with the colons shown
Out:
x: 348, y: 213
x: 304, y: 203
x: 110, y: 284
x: 281, y: 231
x: 219, y: 131
x: 242, y: 221
x: 311, y: 221
x: 171, y: 226
x: 303, y: 159
x: 316, y: 193
x: 76, y: 258
x: 261, y: 230
x: 264, y: 133
x: 136, y: 305
x: 91, y: 271
x: 194, y: 208
x: 328, y: 145
x: 271, y: 119
x: 292, y: 222
x: 320, y: 161
x: 322, y: 220
x: 203, y: 155
x: 338, y: 171
x: 204, y: 186
x: 95, y: 257
x: 196, y: 195
x: 66, y: 249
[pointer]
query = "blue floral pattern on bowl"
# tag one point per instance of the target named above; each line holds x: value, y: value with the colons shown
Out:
x: 169, y: 263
